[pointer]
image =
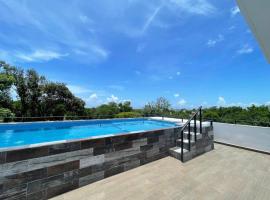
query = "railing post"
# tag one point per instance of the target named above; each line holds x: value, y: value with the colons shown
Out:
x: 182, y: 145
x: 195, y: 127
x: 189, y: 143
x: 201, y: 120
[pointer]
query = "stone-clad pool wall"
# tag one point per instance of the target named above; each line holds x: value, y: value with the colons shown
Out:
x: 46, y: 171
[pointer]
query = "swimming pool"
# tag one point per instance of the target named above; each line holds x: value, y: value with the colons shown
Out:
x: 21, y: 134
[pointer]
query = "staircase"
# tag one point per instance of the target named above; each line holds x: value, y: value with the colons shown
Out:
x: 190, y: 140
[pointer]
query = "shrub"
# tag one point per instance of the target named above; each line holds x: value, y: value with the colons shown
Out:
x: 6, y: 115
x: 128, y: 115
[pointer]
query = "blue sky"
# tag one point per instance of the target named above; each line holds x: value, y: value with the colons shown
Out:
x: 193, y: 52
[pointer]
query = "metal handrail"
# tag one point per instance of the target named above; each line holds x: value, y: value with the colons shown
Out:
x: 187, y: 124
x: 192, y: 117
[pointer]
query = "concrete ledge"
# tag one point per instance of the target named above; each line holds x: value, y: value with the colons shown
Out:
x: 242, y: 147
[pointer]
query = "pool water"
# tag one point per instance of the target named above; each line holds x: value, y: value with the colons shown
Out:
x: 43, y: 132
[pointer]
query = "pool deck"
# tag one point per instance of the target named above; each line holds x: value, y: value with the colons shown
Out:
x: 224, y: 173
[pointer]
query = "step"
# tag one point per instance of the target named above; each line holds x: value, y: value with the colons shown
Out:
x: 186, y: 143
x: 192, y: 135
x: 176, y: 153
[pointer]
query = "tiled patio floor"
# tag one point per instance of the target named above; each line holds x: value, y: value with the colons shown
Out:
x: 224, y: 173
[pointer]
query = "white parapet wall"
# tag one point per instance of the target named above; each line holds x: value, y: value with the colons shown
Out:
x: 180, y: 121
x: 253, y: 137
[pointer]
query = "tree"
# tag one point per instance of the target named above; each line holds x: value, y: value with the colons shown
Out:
x: 149, y: 109
x: 107, y: 110
x: 57, y: 99
x: 125, y: 106
x: 36, y: 96
x: 161, y: 106
x: 6, y: 81
x: 6, y: 115
x: 35, y: 84
x: 29, y: 86
x: 21, y: 89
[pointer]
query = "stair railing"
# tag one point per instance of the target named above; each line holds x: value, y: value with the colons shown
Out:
x: 187, y: 125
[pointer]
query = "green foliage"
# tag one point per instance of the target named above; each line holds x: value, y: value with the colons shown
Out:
x: 57, y: 100
x: 36, y: 95
x: 6, y: 115
x: 111, y: 110
x: 161, y: 106
x: 128, y: 115
x: 107, y: 110
x: 253, y: 115
x: 125, y: 106
x: 6, y: 81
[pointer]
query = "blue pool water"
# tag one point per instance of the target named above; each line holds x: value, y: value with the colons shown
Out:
x: 42, y: 132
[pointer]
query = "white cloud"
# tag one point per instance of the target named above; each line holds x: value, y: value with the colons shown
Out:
x: 60, y: 27
x: 150, y: 19
x: 126, y: 100
x: 182, y: 102
x: 138, y: 72
x: 246, y: 49
x: 234, y: 11
x: 213, y: 42
x: 267, y: 103
x: 93, y: 100
x: 178, y: 73
x: 221, y: 101
x: 170, y: 77
x: 78, y: 90
x: 113, y: 98
x: 40, y: 56
x: 155, y: 77
x: 100, y: 51
x: 84, y: 19
x: 176, y: 95
x: 231, y: 28
x: 205, y: 103
x: 199, y: 7
x: 93, y: 96
x: 140, y: 48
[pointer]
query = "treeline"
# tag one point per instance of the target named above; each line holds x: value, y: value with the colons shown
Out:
x: 253, y: 115
x: 39, y: 97
x: 113, y: 110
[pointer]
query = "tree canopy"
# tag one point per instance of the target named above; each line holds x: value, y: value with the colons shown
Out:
x: 160, y: 106
x: 112, y: 109
x: 6, y: 82
x: 37, y: 96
